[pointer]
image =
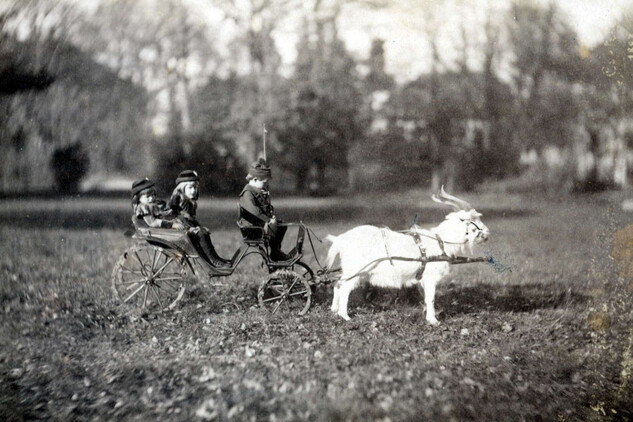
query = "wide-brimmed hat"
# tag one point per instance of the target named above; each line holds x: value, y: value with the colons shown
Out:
x: 260, y: 169
x: 141, y: 184
x: 187, y: 176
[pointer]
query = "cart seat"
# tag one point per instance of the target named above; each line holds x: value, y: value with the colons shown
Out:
x: 252, y: 235
x: 164, y: 237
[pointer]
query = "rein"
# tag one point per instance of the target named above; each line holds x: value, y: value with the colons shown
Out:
x: 310, y: 234
x: 426, y: 260
x: 436, y: 238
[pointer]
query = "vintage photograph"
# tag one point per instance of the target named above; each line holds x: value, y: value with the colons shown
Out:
x: 316, y: 210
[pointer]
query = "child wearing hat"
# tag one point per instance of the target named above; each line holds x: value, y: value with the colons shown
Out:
x: 256, y: 209
x: 184, y: 204
x: 149, y: 209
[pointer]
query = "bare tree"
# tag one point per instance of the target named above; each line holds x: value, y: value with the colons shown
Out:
x: 158, y: 50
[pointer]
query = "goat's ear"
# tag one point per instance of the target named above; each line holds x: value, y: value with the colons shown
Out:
x: 455, y: 216
x: 474, y: 214
x: 463, y: 215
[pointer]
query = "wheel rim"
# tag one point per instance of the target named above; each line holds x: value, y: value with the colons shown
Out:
x: 285, y: 290
x: 149, y: 277
x: 304, y: 271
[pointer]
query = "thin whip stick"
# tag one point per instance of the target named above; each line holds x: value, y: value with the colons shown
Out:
x: 264, y: 136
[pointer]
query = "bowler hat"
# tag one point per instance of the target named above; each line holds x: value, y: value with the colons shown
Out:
x: 141, y: 184
x: 187, y: 176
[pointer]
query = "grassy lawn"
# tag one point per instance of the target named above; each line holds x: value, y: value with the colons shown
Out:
x: 549, y: 340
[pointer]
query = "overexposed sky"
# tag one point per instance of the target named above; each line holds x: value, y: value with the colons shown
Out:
x: 592, y: 18
x: 403, y: 24
x: 402, y: 27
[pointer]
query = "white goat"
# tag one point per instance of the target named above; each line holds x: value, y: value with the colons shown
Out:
x: 370, y: 254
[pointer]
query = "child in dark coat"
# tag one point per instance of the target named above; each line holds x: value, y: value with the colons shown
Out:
x: 257, y: 211
x: 184, y: 204
x: 150, y: 210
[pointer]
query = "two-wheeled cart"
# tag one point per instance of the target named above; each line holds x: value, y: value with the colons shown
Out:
x: 153, y: 273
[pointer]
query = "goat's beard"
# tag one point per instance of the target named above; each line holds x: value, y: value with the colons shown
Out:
x: 470, y: 247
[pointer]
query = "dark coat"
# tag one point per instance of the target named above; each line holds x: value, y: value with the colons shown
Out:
x: 255, y: 207
x: 184, y: 209
x: 153, y: 211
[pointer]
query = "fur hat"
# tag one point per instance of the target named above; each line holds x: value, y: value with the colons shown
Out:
x: 141, y: 184
x: 187, y: 176
x: 260, y: 169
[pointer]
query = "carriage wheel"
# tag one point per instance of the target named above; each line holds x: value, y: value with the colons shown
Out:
x: 304, y: 271
x: 285, y: 290
x: 149, y: 277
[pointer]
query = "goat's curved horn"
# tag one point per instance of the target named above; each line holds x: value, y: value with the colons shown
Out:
x: 442, y: 200
x: 459, y: 203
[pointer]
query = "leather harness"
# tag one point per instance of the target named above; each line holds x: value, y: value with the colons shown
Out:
x: 418, y: 242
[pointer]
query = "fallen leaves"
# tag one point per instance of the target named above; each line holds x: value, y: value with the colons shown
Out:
x: 599, y: 321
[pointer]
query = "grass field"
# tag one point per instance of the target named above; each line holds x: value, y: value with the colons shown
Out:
x: 549, y: 340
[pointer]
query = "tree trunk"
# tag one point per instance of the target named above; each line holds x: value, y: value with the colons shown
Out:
x: 320, y: 176
x: 301, y: 179
x: 436, y: 179
x: 450, y: 169
x: 594, y: 148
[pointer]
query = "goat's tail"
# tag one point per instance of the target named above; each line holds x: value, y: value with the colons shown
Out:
x: 333, y: 252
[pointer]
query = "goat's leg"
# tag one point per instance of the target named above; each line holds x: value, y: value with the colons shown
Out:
x: 335, y: 299
x: 429, y: 299
x: 345, y: 288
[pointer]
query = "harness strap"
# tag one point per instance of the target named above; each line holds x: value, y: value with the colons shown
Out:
x: 441, y: 243
x: 418, y: 243
x: 384, y: 239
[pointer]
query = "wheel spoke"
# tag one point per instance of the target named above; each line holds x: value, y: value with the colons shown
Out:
x: 154, y: 262
x: 127, y: 270
x: 133, y: 286
x: 298, y: 293
x: 277, y: 306
x: 168, y: 284
x: 167, y: 278
x: 270, y: 299
x: 292, y: 285
x: 148, y: 252
x: 145, y: 298
x: 166, y: 274
x: 141, y: 263
x: 160, y: 271
x: 278, y: 289
x: 134, y: 293
x: 157, y: 297
x: 140, y: 280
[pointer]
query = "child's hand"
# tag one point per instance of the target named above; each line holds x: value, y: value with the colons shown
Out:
x: 270, y: 228
x: 177, y: 225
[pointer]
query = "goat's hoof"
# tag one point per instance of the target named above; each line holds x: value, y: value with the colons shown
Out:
x: 434, y: 322
x: 345, y: 317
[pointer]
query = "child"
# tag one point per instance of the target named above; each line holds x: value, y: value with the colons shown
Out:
x: 257, y: 211
x: 148, y: 209
x: 183, y: 204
